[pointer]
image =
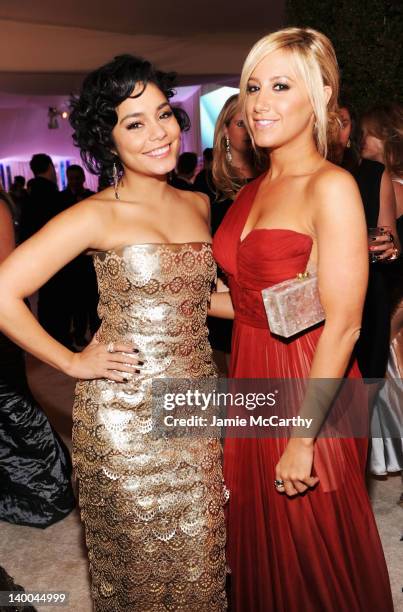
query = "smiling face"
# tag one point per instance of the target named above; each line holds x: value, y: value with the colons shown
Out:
x: 278, y: 107
x: 147, y: 134
x: 238, y: 134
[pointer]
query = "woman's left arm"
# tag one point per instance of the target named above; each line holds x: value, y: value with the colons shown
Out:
x: 341, y: 233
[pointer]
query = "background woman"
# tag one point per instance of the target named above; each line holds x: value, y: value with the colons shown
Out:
x: 235, y: 163
x: 342, y: 146
x: 382, y: 142
x: 310, y: 541
x: 377, y: 195
x: 152, y: 506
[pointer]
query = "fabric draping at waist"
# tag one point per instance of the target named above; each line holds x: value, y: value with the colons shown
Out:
x: 252, y: 322
x: 248, y: 306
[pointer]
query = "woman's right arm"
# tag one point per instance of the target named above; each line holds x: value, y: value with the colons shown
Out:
x: 221, y: 303
x: 387, y: 217
x: 7, y: 241
x: 28, y: 268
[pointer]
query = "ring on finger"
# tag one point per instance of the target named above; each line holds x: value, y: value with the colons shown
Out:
x: 394, y: 255
x: 279, y: 484
x: 127, y: 376
x: 110, y: 347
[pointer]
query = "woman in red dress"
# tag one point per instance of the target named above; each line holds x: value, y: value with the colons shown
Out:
x: 301, y: 532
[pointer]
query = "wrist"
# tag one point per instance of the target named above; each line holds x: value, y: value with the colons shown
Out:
x: 302, y: 442
x: 69, y: 364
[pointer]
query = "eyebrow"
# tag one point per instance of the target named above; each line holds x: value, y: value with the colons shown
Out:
x: 131, y: 115
x: 274, y: 78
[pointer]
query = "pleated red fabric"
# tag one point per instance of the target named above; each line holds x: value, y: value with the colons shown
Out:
x: 319, y: 552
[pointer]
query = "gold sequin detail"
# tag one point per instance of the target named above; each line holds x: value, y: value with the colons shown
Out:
x: 152, y: 508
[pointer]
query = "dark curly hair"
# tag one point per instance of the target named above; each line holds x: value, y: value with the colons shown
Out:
x: 93, y: 113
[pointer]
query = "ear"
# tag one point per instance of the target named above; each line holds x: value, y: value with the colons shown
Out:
x: 328, y: 93
x: 114, y: 152
x: 225, y: 131
x: 113, y: 149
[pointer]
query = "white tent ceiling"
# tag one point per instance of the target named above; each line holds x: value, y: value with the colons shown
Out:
x: 47, y: 46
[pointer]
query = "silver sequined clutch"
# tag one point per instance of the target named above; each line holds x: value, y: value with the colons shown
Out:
x: 293, y: 305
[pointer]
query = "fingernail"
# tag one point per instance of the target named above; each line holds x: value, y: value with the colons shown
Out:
x: 135, y: 350
x: 140, y: 362
x: 137, y: 371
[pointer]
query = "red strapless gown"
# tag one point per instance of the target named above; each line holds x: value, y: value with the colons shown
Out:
x: 320, y: 552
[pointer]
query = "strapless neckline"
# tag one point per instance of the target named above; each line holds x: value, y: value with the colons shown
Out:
x: 273, y: 229
x: 162, y: 245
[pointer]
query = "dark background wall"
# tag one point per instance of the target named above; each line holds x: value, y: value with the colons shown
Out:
x: 368, y: 39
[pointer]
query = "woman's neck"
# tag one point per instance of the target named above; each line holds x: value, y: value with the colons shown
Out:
x: 293, y: 158
x: 139, y: 187
x: 242, y: 164
x: 379, y: 157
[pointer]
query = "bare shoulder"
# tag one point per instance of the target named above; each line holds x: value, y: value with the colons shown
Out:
x: 203, y: 202
x: 198, y: 200
x: 332, y: 190
x: 98, y: 207
x: 330, y: 180
x: 90, y: 217
x: 103, y: 200
x: 5, y: 212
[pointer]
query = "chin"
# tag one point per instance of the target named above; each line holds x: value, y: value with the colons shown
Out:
x: 163, y: 165
x: 162, y: 168
x: 265, y: 142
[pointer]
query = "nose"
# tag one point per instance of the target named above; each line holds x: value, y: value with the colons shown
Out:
x: 262, y: 102
x: 157, y: 131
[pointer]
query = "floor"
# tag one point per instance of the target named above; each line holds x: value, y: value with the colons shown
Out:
x: 55, y: 559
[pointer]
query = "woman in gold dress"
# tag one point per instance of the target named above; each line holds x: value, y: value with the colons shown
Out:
x: 152, y: 507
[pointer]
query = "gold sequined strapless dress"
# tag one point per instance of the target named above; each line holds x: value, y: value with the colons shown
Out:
x: 152, y: 507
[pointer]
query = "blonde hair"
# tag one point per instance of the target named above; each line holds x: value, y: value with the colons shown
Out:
x: 226, y: 181
x: 316, y: 63
x: 385, y: 122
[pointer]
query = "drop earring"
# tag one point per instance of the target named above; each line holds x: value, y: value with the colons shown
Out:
x: 228, y: 154
x: 348, y: 145
x: 115, y: 175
